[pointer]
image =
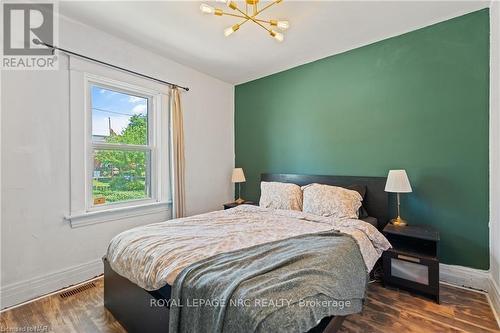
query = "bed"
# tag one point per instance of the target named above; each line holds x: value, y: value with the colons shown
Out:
x: 143, y: 304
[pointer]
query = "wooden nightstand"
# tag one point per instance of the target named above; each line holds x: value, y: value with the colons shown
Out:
x: 234, y: 204
x: 412, y: 264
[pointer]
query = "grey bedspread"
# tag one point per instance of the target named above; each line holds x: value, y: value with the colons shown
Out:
x: 283, y: 286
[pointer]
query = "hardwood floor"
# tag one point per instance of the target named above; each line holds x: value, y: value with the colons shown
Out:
x: 388, y: 310
x: 385, y: 311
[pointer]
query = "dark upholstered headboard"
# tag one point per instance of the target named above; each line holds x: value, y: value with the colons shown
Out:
x: 376, y: 199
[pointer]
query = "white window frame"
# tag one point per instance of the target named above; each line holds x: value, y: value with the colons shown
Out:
x: 83, y: 75
x: 153, y: 104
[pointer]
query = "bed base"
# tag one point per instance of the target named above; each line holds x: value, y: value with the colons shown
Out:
x: 132, y: 307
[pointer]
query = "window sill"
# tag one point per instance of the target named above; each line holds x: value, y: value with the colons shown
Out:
x: 90, y: 218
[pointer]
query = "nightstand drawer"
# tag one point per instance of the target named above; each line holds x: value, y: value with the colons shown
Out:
x: 414, y: 272
x: 411, y: 270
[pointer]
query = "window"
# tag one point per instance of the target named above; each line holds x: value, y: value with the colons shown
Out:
x: 121, y: 146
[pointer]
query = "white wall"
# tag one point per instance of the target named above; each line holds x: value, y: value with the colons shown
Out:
x: 495, y: 144
x: 40, y: 251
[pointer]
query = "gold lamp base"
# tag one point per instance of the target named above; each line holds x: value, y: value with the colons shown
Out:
x: 398, y: 221
x: 239, y: 201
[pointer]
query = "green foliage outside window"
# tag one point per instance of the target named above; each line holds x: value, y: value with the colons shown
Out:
x: 120, y: 175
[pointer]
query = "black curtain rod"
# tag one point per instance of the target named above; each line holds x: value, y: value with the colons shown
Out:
x: 172, y: 85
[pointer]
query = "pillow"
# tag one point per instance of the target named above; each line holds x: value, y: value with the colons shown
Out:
x: 280, y: 196
x: 361, y: 189
x: 331, y: 201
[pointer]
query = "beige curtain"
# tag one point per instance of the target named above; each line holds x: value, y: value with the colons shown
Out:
x: 178, y: 162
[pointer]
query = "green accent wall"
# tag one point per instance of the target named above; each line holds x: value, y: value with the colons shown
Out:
x: 418, y: 101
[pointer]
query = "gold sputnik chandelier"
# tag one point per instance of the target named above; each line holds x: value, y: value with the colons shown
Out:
x: 249, y: 13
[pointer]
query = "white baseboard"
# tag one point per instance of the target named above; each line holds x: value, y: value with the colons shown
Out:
x: 494, y: 295
x: 464, y: 276
x: 475, y: 279
x: 26, y: 290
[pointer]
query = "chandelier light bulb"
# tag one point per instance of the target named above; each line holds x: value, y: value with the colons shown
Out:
x: 277, y: 35
x: 207, y: 9
x: 283, y: 25
x: 224, y: 1
x: 230, y: 30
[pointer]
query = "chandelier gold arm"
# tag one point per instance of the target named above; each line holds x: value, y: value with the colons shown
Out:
x: 241, y: 16
x: 266, y: 7
x: 243, y: 22
x: 234, y: 6
x: 254, y: 20
x: 263, y: 27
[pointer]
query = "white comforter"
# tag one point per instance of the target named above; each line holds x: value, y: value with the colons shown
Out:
x: 152, y: 256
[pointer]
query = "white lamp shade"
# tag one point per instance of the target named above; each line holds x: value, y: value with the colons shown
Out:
x: 398, y: 182
x: 238, y: 176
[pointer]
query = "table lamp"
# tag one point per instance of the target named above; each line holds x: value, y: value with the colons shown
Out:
x: 238, y: 177
x: 397, y: 182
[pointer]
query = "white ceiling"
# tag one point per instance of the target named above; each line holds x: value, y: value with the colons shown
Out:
x: 179, y: 31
